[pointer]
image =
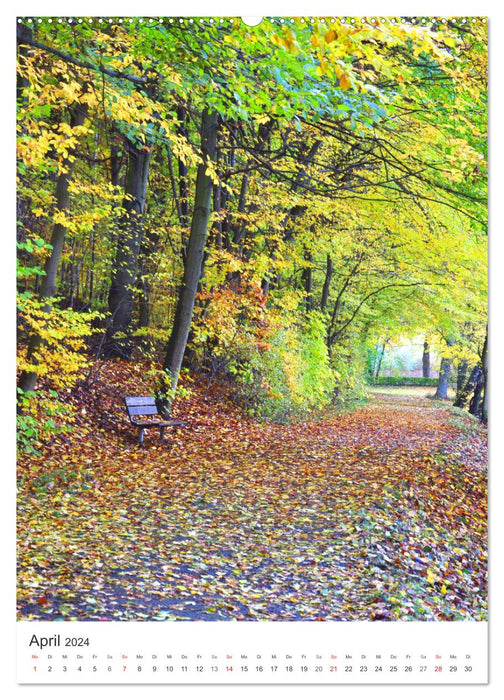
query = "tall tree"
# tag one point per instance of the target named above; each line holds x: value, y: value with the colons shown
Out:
x: 193, y: 263
x: 28, y: 379
x: 444, y: 378
x: 426, y: 359
x: 131, y: 230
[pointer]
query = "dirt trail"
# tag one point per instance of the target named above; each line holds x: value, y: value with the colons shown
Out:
x: 376, y: 514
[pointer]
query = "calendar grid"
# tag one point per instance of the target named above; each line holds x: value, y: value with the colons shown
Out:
x: 329, y: 653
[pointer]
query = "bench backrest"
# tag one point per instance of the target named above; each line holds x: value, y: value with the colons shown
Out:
x: 141, y: 405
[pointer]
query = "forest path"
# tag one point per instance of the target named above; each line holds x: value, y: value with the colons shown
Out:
x: 375, y: 514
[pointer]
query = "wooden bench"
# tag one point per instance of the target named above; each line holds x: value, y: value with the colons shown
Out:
x: 139, y: 407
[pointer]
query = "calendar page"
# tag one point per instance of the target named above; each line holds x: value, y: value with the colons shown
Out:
x: 252, y: 366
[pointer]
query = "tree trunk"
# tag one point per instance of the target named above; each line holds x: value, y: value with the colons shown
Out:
x: 28, y: 380
x: 240, y: 228
x: 327, y: 284
x: 469, y: 387
x: 380, y: 360
x: 426, y: 359
x: 484, y: 359
x: 307, y: 276
x: 302, y: 179
x: 195, y: 254
x: 475, y: 404
x: 143, y: 289
x: 444, y: 375
x: 461, y: 377
x: 182, y: 171
x: 444, y: 378
x: 115, y: 164
x: 146, y: 268
x: 119, y: 343
x: 23, y: 33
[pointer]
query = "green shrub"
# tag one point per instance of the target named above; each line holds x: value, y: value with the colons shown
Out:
x: 292, y: 376
x: 404, y: 381
x: 349, y: 364
x: 41, y: 414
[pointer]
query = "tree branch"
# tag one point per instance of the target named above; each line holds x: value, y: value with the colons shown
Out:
x: 24, y: 39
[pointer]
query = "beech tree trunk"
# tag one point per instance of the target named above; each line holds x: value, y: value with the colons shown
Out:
x: 478, y: 405
x: 461, y: 377
x: 28, y: 380
x: 380, y: 360
x: 182, y: 174
x: 444, y: 375
x: 195, y: 254
x: 426, y: 360
x: 444, y: 379
x: 144, y: 290
x: 124, y: 273
x: 146, y: 268
x: 307, y: 277
x: 475, y: 404
x: 327, y: 284
x: 23, y: 33
x: 469, y: 387
x: 484, y: 407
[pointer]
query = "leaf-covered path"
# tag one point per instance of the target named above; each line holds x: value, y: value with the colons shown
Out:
x: 376, y: 514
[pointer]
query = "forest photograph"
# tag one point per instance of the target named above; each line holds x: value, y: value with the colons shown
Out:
x: 252, y: 319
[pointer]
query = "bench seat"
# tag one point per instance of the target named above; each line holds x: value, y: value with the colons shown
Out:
x: 143, y: 414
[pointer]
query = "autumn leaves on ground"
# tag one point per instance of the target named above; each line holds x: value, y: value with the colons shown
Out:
x: 375, y: 514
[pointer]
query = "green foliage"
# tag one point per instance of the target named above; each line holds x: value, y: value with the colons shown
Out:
x: 161, y: 381
x: 349, y: 363
x: 59, y: 360
x: 404, y: 381
x: 30, y: 248
x: 317, y: 376
x: 360, y: 144
x: 293, y: 375
x: 59, y: 356
x: 42, y: 415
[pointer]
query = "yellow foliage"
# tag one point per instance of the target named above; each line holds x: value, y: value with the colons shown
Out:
x: 60, y: 355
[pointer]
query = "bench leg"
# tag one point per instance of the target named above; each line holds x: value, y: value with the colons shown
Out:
x: 141, y: 436
x: 161, y: 432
